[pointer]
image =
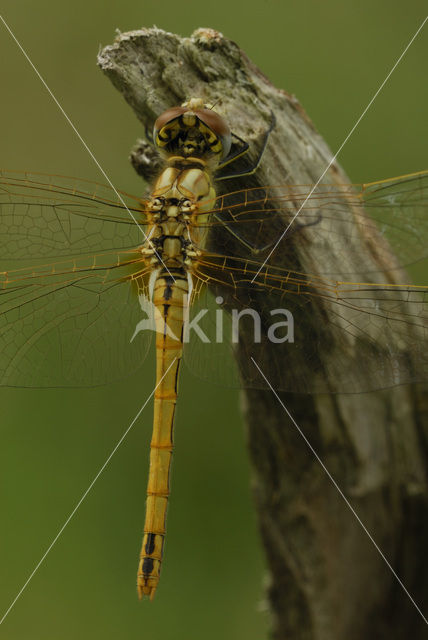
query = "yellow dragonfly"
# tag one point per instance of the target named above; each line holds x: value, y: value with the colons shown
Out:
x: 88, y: 274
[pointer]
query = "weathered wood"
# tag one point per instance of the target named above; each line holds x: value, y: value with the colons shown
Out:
x: 327, y: 581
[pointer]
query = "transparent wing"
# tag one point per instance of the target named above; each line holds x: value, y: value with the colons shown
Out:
x: 209, y: 349
x: 258, y: 217
x: 361, y: 336
x: 72, y: 323
x: 44, y: 216
x: 49, y: 216
x: 307, y: 331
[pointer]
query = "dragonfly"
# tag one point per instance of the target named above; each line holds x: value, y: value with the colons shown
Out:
x: 88, y: 274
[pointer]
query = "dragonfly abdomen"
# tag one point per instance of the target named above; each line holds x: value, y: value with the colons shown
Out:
x: 170, y: 300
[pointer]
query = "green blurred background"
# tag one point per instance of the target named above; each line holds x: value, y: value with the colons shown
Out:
x: 333, y: 57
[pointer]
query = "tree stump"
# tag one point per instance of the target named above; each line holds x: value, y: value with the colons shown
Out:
x: 327, y: 580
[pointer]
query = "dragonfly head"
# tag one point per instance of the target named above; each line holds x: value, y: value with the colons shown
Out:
x: 192, y: 130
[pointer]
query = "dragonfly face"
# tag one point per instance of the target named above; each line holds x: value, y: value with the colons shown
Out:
x: 77, y: 273
x: 193, y: 130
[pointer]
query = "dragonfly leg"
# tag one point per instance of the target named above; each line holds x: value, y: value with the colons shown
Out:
x: 244, y: 149
x: 149, y: 135
x: 257, y: 249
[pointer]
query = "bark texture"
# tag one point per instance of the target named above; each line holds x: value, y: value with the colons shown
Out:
x: 327, y: 580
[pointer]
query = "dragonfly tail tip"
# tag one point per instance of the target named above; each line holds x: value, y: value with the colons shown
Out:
x: 145, y: 591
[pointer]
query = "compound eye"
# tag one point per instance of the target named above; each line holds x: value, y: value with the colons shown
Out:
x: 218, y: 136
x: 166, y: 127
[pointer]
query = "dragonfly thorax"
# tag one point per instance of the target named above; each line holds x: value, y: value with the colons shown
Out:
x: 177, y: 196
x: 169, y: 236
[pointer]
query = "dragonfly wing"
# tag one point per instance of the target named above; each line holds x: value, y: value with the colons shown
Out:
x: 387, y: 214
x: 43, y: 216
x: 399, y: 207
x: 209, y: 346
x: 70, y: 325
x: 311, y: 334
